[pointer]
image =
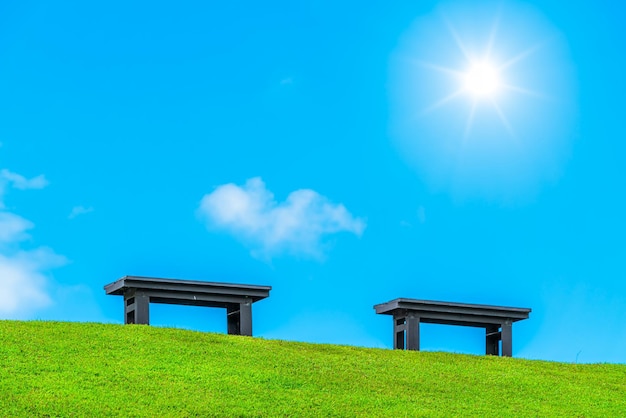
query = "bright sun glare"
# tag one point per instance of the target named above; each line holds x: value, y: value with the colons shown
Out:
x: 482, y: 80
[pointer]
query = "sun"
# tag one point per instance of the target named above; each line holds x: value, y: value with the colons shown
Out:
x: 482, y: 80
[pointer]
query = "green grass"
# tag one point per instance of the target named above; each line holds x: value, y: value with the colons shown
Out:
x: 78, y: 369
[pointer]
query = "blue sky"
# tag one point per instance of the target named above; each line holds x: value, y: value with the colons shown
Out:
x: 332, y: 151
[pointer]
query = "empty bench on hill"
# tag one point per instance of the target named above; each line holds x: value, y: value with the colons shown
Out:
x: 409, y: 313
x: 139, y: 292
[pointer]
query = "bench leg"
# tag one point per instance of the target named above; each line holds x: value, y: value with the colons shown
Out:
x: 245, y: 313
x: 239, y: 319
x: 412, y: 332
x: 406, y: 332
x: 507, y: 339
x: 232, y: 319
x: 136, y: 308
x: 492, y: 340
x: 399, y: 325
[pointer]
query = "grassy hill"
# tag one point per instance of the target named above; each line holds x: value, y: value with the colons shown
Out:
x: 78, y: 369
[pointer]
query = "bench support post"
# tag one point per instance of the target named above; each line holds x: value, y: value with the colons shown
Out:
x: 507, y: 339
x: 406, y: 332
x: 245, y: 318
x: 136, y: 308
x: 399, y: 325
x: 492, y: 340
x: 500, y: 333
x: 412, y: 332
x: 239, y: 318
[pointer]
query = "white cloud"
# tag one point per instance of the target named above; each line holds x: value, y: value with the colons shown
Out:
x: 20, y: 182
x: 79, y: 210
x: 13, y: 227
x: 23, y: 284
x: 17, y: 181
x: 297, y: 225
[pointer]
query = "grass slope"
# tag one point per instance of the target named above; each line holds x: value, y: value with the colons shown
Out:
x: 78, y: 369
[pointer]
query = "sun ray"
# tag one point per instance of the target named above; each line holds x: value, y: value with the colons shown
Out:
x: 503, y: 118
x: 492, y: 34
x: 520, y: 56
x: 440, y: 68
x: 443, y: 101
x: 526, y: 91
x: 457, y: 39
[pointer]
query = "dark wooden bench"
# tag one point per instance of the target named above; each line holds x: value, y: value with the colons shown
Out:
x: 409, y: 313
x: 138, y: 292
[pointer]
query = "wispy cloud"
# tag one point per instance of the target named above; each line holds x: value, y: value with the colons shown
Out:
x: 297, y: 225
x: 79, y: 210
x: 23, y: 284
x: 13, y: 227
x: 17, y: 181
x: 20, y: 182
